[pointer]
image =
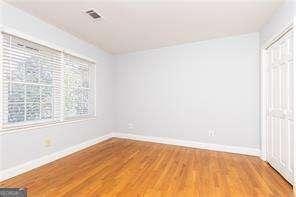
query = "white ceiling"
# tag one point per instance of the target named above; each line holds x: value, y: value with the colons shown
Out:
x: 128, y: 26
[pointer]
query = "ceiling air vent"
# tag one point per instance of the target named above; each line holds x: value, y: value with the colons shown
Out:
x: 93, y: 14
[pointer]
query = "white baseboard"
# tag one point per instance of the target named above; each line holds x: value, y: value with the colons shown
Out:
x: 11, y: 172
x: 192, y: 144
x: 14, y: 171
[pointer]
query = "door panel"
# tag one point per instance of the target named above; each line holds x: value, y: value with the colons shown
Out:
x: 280, y: 106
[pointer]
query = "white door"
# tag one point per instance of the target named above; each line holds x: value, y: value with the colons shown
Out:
x: 280, y: 106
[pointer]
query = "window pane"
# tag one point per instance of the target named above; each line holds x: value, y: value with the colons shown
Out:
x: 32, y: 111
x: 46, y: 94
x: 76, y: 101
x: 46, y: 73
x: 33, y: 102
x: 16, y: 93
x: 85, y: 78
x: 16, y: 112
x: 18, y: 73
x: 46, y: 110
x: 82, y: 102
x: 46, y: 102
x: 32, y: 70
x: 75, y: 78
x: 70, y: 102
x: 32, y: 93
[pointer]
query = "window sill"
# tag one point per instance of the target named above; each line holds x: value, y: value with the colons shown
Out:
x: 32, y: 127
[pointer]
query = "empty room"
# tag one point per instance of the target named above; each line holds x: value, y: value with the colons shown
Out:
x: 133, y: 98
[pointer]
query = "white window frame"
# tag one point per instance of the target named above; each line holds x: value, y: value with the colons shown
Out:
x: 49, y: 122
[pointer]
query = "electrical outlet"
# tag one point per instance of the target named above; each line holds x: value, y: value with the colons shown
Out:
x: 47, y: 142
x: 212, y: 133
x: 130, y: 126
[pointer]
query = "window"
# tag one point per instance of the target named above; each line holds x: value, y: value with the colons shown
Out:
x: 43, y: 85
x: 77, y: 87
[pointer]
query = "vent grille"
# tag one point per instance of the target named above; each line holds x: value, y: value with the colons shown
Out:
x: 93, y: 14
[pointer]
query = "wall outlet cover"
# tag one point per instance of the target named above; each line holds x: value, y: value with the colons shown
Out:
x: 212, y: 133
x: 47, y: 142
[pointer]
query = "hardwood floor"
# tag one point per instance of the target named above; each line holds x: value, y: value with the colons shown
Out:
x: 120, y: 167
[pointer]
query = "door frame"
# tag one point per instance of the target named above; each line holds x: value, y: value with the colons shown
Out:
x: 264, y: 94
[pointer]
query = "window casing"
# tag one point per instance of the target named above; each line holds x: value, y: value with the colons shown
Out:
x: 41, y: 85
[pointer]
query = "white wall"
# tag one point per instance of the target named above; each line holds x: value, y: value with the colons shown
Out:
x: 282, y: 18
x: 184, y: 91
x: 21, y: 146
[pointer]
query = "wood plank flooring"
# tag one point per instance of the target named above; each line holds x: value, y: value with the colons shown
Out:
x: 121, y: 167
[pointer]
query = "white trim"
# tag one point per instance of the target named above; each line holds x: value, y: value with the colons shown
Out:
x: 294, y: 99
x: 14, y: 171
x: 263, y: 105
x: 50, y: 124
x: 192, y: 144
x: 278, y: 36
x: 95, y: 90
